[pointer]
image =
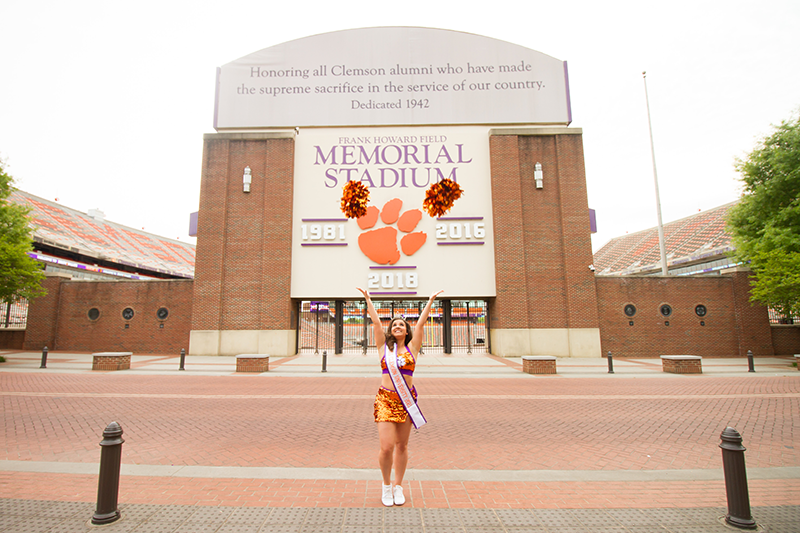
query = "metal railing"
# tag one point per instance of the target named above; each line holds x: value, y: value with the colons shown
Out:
x: 777, y: 318
x: 14, y: 315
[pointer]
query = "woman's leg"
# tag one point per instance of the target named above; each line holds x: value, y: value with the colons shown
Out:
x: 387, y: 434
x: 402, y: 432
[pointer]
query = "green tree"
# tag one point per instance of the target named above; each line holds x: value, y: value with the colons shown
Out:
x: 765, y: 224
x: 20, y: 275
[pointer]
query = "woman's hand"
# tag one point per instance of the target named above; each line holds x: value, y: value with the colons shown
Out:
x: 435, y: 294
x: 362, y: 291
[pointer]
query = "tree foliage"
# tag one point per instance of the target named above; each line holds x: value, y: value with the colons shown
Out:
x: 20, y: 275
x: 766, y: 222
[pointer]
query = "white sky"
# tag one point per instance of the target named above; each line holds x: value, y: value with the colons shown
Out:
x: 104, y: 104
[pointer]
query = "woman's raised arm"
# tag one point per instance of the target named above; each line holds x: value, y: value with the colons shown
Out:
x: 380, y: 338
x: 419, y: 328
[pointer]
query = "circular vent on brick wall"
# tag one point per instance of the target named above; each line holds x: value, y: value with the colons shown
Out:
x: 630, y: 310
x: 127, y: 313
x: 93, y: 314
x: 700, y: 310
x: 665, y: 309
x: 162, y: 313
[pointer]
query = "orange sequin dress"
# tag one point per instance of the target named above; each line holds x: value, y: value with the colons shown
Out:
x: 388, y: 406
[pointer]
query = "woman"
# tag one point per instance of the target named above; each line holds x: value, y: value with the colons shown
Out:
x: 402, y: 345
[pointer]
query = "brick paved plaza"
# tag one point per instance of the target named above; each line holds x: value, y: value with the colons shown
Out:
x: 297, y: 438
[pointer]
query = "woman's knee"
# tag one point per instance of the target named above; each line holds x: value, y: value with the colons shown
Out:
x: 387, y: 448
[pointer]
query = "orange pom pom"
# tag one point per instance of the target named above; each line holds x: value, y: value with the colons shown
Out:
x: 355, y: 197
x: 440, y: 197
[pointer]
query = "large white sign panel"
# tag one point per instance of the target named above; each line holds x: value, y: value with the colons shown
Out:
x: 397, y: 251
x: 392, y: 76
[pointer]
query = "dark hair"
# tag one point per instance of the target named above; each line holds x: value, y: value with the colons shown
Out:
x: 390, y: 340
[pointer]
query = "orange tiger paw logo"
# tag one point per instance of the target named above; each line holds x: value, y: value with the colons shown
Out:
x: 380, y: 244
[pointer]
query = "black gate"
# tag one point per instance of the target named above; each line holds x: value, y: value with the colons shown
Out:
x: 453, y: 326
x: 468, y: 326
x: 317, y: 327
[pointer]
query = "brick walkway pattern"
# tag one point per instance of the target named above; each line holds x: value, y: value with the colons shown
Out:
x: 537, y: 424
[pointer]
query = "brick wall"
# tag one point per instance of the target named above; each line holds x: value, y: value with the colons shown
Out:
x: 12, y: 339
x: 730, y: 327
x: 650, y: 335
x: 752, y: 320
x: 243, y: 259
x: 60, y: 320
x: 542, y: 240
x: 509, y: 308
x: 786, y: 339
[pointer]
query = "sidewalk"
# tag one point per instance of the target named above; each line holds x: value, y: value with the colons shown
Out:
x: 432, y: 365
x: 293, y: 449
x: 34, y: 516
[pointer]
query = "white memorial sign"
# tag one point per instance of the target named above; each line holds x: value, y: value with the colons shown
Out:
x: 398, y: 250
x: 392, y: 76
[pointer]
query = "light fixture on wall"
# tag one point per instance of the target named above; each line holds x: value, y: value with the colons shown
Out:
x: 537, y: 175
x: 247, y: 178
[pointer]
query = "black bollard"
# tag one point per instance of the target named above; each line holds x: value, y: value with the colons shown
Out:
x: 183, y: 359
x: 610, y: 363
x: 107, y: 510
x: 44, y: 358
x: 736, y: 480
x: 324, y: 360
x: 751, y: 366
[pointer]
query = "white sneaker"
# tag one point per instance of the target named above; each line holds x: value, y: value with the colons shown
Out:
x: 399, y: 499
x: 386, y: 497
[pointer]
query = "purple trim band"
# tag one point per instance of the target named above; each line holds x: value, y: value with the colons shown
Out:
x: 323, y: 244
x: 110, y: 271
x: 397, y: 292
x: 455, y: 243
x: 391, y: 267
x: 323, y: 219
x: 216, y: 99
x: 569, y: 100
x: 460, y: 218
x: 402, y: 371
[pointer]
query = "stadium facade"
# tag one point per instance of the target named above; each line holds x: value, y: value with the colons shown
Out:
x: 400, y: 109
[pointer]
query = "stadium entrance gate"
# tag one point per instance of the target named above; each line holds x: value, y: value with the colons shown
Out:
x: 338, y: 326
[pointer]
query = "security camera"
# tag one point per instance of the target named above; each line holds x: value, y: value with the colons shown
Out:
x: 591, y: 267
x: 297, y: 130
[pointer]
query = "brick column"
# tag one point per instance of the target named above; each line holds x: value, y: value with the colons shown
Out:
x: 242, y: 296
x: 546, y: 299
x: 43, y: 315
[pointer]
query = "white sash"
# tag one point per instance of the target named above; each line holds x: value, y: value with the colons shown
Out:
x: 402, y: 389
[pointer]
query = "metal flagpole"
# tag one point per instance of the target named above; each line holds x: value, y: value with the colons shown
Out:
x: 661, y: 242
